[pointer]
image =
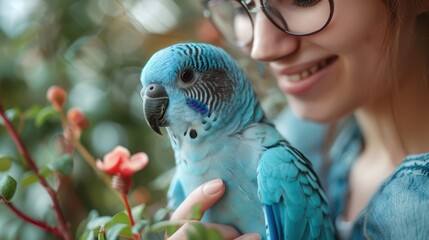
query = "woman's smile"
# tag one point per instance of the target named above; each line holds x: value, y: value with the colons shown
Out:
x: 299, y: 79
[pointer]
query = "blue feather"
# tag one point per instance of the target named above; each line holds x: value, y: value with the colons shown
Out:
x: 273, y: 222
x: 197, y: 106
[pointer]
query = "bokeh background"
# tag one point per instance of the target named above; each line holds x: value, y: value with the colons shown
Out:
x: 95, y: 49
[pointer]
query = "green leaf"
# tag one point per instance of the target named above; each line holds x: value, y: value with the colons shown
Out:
x: 171, y: 229
x: 139, y: 225
x: 138, y: 211
x: 5, y: 163
x: 197, y: 231
x: 7, y: 187
x: 93, y: 214
x: 98, y: 222
x: 45, y: 172
x: 28, y: 179
x: 91, y: 236
x: 82, y: 227
x: 169, y: 226
x: 85, y: 236
x: 213, y: 234
x: 32, y: 112
x: 115, y: 230
x: 161, y: 214
x: 196, y: 212
x: 64, y: 165
x: 101, y: 236
x: 45, y: 114
x: 120, y: 218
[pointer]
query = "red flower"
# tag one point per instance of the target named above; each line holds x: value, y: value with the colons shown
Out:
x: 119, y: 162
x: 57, y: 96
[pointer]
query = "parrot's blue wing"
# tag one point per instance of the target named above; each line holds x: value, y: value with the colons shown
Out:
x: 176, y: 194
x: 295, y: 206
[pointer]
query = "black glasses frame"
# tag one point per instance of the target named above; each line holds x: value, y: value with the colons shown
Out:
x: 207, y: 13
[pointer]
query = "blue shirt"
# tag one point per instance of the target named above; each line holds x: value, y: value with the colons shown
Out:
x: 399, y: 209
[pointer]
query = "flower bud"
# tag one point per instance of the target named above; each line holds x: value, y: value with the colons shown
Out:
x: 77, y: 119
x: 57, y: 96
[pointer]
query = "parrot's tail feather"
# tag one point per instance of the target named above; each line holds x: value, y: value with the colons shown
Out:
x: 273, y: 221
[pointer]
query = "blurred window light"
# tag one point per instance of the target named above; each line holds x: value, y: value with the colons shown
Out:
x: 86, y: 54
x: 136, y: 107
x: 98, y: 10
x: 106, y: 136
x: 39, y: 75
x: 15, y: 15
x: 88, y: 97
x: 153, y: 16
x: 123, y: 41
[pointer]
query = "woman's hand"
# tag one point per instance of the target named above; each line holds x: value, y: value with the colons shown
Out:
x: 206, y: 195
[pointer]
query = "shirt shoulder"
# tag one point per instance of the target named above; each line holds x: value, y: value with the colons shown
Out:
x: 399, y: 210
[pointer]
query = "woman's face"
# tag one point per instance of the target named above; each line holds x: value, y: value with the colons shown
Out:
x: 329, y: 74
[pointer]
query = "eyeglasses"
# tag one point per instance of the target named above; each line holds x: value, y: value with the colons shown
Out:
x: 235, y: 18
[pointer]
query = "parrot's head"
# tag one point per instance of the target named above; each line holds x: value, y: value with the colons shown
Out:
x: 195, y: 89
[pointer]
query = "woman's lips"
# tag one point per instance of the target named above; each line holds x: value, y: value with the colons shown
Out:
x: 297, y: 80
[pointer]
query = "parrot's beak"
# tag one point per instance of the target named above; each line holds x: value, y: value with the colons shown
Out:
x: 155, y: 103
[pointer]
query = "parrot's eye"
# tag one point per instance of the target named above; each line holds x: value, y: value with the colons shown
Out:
x: 187, y: 75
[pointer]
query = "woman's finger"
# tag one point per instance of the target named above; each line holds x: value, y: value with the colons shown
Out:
x: 205, y: 195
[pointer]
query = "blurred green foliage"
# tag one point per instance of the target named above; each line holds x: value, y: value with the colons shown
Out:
x: 95, y: 49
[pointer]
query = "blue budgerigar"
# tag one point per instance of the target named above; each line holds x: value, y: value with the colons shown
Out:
x: 217, y: 129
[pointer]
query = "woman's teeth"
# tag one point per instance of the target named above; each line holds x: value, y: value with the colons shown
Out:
x: 308, y: 72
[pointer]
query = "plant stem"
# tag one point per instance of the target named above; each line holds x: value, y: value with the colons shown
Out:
x: 63, y: 119
x: 128, y: 208
x: 65, y: 231
x: 130, y: 214
x: 91, y: 161
x: 40, y: 224
x: 83, y: 151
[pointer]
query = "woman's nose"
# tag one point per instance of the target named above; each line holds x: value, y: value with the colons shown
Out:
x: 269, y: 42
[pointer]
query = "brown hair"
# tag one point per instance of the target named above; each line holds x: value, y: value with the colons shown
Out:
x: 407, y: 16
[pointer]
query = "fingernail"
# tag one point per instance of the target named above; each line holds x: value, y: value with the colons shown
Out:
x: 213, y: 187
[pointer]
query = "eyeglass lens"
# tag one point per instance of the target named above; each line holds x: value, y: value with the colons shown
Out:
x: 296, y: 17
x: 233, y: 20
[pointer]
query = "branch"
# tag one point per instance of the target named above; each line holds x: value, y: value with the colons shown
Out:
x: 65, y: 231
x: 40, y: 224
